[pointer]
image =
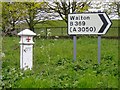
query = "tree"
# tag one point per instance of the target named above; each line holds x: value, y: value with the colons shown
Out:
x: 14, y: 12
x: 108, y: 7
x: 63, y: 8
x: 32, y: 10
x: 0, y: 15
x: 11, y: 15
x: 5, y: 16
x: 117, y: 9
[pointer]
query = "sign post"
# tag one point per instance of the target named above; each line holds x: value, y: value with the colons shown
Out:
x: 74, y: 48
x: 99, y: 48
x: 88, y: 23
x: 26, y: 49
x: 74, y: 39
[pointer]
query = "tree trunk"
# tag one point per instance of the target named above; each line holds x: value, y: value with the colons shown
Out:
x: 31, y: 27
x: 13, y: 25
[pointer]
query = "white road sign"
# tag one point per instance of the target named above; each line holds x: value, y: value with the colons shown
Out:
x: 88, y: 23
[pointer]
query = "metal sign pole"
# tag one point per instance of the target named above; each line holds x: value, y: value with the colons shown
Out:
x: 74, y: 48
x: 99, y: 48
x: 74, y: 39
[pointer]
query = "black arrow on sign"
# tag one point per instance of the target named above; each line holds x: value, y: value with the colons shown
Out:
x: 105, y: 23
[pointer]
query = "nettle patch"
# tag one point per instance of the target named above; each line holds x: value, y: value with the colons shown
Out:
x: 53, y: 65
x: 63, y: 73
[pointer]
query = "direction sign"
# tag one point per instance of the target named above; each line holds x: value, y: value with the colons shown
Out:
x: 88, y: 23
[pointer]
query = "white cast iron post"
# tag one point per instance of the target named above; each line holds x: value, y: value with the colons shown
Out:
x: 26, y: 49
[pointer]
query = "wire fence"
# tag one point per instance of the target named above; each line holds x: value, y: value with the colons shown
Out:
x: 61, y: 32
x: 52, y: 31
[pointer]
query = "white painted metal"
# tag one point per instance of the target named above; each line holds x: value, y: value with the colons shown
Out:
x: 92, y: 20
x: 26, y: 49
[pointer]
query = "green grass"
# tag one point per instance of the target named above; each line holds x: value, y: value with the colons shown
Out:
x: 113, y: 31
x: 51, y: 23
x: 115, y: 23
x: 53, y: 65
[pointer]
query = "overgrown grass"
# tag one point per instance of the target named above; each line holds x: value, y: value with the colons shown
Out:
x: 53, y: 65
